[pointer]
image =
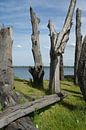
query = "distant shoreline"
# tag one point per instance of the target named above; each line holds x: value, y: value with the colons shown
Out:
x: 44, y: 66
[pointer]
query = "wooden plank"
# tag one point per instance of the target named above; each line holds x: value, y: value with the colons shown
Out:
x: 13, y: 113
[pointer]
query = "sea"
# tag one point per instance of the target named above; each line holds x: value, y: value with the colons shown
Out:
x: 23, y: 73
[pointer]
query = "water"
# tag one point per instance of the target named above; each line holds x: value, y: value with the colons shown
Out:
x: 23, y: 73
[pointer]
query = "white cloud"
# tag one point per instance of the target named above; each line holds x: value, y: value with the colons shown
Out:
x: 19, y: 46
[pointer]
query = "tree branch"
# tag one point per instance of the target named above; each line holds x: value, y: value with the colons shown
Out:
x: 66, y: 28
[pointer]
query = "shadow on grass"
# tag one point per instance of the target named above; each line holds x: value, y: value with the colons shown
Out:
x: 66, y: 84
x: 72, y: 107
x: 38, y: 87
x: 36, y: 112
x: 30, y: 83
x: 69, y: 78
x: 71, y: 91
x: 68, y: 105
x: 79, y: 97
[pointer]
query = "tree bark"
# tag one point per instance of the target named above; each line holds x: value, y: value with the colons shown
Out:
x: 7, y: 96
x: 82, y: 69
x: 61, y: 68
x: 58, y: 43
x: 78, y: 44
x: 54, y: 81
x: 37, y: 71
x: 13, y: 113
x: 6, y: 71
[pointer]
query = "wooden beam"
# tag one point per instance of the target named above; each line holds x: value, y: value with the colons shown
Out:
x: 13, y: 113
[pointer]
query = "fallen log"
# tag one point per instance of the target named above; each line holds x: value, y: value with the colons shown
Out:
x: 15, y: 112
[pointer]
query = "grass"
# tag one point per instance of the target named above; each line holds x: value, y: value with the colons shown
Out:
x: 69, y: 114
x: 25, y: 87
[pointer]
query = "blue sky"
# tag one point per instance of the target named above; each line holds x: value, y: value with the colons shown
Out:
x: 15, y: 13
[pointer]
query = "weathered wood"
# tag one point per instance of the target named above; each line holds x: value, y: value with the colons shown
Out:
x: 82, y: 69
x: 6, y: 71
x: 37, y: 71
x: 7, y: 96
x: 63, y: 36
x: 54, y: 81
x: 78, y: 44
x: 15, y: 112
x: 58, y: 43
x: 61, y: 68
x: 23, y: 123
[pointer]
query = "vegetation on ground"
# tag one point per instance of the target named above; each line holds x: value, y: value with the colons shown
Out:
x: 68, y: 114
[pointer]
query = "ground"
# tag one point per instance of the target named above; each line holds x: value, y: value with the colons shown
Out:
x: 69, y: 114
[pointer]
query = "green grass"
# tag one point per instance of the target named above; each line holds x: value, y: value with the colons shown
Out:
x: 25, y: 87
x: 69, y: 114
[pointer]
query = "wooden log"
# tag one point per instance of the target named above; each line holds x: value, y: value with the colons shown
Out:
x: 78, y: 44
x: 23, y: 123
x: 58, y: 44
x: 37, y: 71
x: 13, y: 113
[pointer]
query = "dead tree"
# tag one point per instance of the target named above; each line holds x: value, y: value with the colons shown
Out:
x: 82, y: 69
x: 6, y: 70
x: 61, y: 68
x: 37, y: 71
x: 78, y: 44
x: 7, y: 96
x: 58, y: 43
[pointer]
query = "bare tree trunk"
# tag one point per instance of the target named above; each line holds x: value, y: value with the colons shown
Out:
x: 6, y: 72
x: 54, y: 81
x: 58, y: 43
x: 61, y: 68
x: 82, y: 69
x: 38, y: 71
x: 78, y: 44
x: 7, y: 96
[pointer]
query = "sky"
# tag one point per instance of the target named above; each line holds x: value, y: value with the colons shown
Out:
x: 15, y: 13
